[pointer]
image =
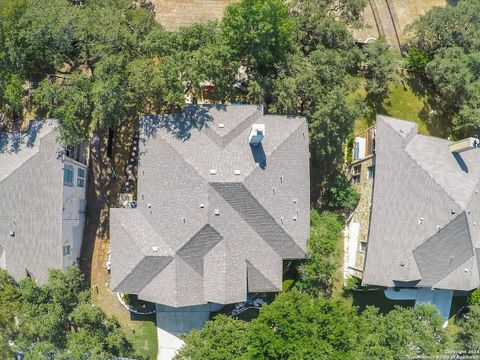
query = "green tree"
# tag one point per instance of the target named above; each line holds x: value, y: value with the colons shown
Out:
x: 259, y: 31
x: 378, y: 70
x: 469, y: 335
x: 223, y: 338
x: 69, y: 101
x: 295, y: 326
x: 330, y: 125
x: 448, y: 39
x: 343, y: 195
x: 317, y: 23
x: 57, y: 320
x: 9, y: 303
x: 325, y: 233
x: 417, y: 59
x: 403, y: 332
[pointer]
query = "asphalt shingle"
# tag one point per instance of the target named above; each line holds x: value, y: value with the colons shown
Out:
x: 201, y: 193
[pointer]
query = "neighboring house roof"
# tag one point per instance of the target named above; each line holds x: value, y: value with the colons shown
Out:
x: 31, y: 193
x: 173, y: 249
x: 425, y: 217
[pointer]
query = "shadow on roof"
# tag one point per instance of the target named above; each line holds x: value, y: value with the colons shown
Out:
x: 460, y: 162
x: 180, y: 125
x: 259, y: 155
x: 13, y: 142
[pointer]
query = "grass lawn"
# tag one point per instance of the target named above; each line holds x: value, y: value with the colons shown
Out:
x: 411, y: 99
x: 144, y: 338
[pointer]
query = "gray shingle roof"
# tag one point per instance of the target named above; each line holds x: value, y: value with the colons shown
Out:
x: 216, y: 225
x: 425, y: 211
x: 31, y: 194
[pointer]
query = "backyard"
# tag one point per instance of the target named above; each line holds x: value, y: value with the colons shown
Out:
x: 411, y: 99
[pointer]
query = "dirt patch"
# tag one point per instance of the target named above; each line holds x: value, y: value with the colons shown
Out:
x: 174, y: 14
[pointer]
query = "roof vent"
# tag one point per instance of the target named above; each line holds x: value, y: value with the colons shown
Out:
x: 216, y: 212
x: 464, y: 145
x: 466, y: 270
x: 420, y: 221
x: 439, y: 228
x: 154, y: 248
x: 402, y: 263
x: 202, y: 206
x: 256, y: 134
x: 12, y: 233
x: 149, y: 206
x: 213, y: 172
x: 452, y: 211
x: 221, y: 125
x: 237, y: 172
x: 183, y: 219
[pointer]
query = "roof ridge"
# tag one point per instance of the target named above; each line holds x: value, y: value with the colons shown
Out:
x: 223, y: 141
x: 430, y: 176
x: 217, y: 187
x: 35, y: 149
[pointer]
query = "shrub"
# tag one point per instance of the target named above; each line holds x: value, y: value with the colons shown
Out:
x: 352, y: 283
x: 325, y: 233
x: 417, y: 59
x: 343, y: 195
x: 474, y: 298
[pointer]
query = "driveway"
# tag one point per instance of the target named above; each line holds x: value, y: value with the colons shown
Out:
x: 171, y: 322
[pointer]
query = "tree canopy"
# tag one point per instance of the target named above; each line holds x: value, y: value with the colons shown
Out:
x: 446, y: 43
x: 56, y: 320
x: 297, y: 326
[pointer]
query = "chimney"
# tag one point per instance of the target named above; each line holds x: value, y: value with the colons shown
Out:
x: 256, y: 134
x: 465, y: 144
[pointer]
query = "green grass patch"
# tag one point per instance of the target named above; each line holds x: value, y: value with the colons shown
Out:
x: 144, y: 336
x: 411, y: 99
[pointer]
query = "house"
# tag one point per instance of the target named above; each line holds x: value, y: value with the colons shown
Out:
x: 423, y: 239
x: 362, y: 173
x: 42, y: 192
x: 222, y: 200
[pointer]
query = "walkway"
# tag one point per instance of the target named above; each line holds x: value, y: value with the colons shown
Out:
x: 171, y: 322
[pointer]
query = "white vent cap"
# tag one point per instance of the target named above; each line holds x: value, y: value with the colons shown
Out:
x: 256, y: 134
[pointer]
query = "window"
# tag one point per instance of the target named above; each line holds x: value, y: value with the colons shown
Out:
x: 81, y: 178
x: 68, y: 176
x: 371, y: 172
x: 66, y: 250
x: 356, y: 173
x: 356, y: 151
x: 363, y: 246
x: 357, y: 169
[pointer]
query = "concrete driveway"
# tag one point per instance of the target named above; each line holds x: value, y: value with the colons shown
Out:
x: 171, y: 322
